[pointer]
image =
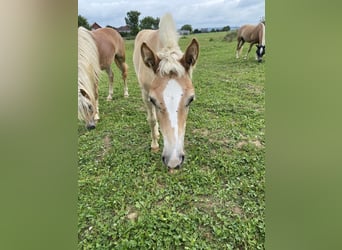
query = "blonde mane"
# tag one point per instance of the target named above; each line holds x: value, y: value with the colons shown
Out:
x: 170, y: 53
x: 88, y: 71
x: 263, y: 41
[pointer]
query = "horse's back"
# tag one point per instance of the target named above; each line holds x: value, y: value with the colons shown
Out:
x: 150, y: 37
x: 249, y: 33
x: 245, y: 29
x: 107, y: 35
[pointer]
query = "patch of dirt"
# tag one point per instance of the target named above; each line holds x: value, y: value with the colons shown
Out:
x: 132, y: 216
x: 237, y: 210
x: 203, y: 132
x: 241, y: 144
x: 106, y: 143
x: 256, y: 143
x: 106, y: 147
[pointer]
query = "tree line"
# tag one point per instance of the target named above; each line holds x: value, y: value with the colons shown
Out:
x: 133, y: 21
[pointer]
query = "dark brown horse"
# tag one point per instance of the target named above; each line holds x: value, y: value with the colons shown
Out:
x: 253, y: 34
x: 111, y: 48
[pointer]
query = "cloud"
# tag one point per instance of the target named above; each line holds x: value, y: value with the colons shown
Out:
x: 198, y: 13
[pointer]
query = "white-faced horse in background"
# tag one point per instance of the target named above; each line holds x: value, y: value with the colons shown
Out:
x: 111, y: 48
x: 164, y: 74
x: 88, y: 74
x: 253, y: 34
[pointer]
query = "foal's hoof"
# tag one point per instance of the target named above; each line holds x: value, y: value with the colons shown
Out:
x: 109, y: 98
x: 126, y: 95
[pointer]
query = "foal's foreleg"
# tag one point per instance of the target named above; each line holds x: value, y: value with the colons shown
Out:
x: 152, y: 120
x: 110, y: 84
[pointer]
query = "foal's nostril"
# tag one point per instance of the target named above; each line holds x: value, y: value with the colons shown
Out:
x: 182, y: 159
x: 164, y: 159
x: 90, y: 127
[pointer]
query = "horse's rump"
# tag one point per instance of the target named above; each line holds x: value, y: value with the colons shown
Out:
x: 111, y: 47
x: 110, y: 44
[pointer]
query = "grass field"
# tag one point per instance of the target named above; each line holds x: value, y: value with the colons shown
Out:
x: 128, y: 200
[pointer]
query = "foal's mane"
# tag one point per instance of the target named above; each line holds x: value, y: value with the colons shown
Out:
x: 170, y: 53
x: 88, y: 70
x: 88, y: 62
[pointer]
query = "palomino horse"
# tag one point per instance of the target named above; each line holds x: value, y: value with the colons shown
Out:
x: 164, y: 74
x: 88, y: 73
x: 111, y: 48
x: 252, y: 34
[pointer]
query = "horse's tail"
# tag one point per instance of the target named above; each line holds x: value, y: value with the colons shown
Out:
x: 167, y: 32
x: 88, y: 70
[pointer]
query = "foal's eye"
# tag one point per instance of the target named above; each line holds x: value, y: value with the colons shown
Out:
x: 153, y: 101
x: 90, y: 107
x: 190, y: 100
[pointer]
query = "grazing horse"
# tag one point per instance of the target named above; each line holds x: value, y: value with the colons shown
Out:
x: 253, y: 34
x: 88, y: 74
x: 111, y: 48
x: 164, y: 74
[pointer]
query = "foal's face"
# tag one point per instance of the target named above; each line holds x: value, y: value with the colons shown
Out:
x: 171, y: 94
x: 260, y: 52
x: 171, y: 97
x: 87, y: 109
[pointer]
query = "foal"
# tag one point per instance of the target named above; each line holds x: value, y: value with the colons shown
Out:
x: 164, y: 75
x: 88, y: 74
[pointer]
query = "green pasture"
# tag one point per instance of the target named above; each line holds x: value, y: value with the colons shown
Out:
x: 127, y: 198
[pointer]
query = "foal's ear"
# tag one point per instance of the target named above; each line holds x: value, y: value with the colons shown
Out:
x: 190, y: 56
x: 149, y: 58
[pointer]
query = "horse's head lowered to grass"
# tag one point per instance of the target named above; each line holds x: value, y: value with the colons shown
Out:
x: 164, y: 75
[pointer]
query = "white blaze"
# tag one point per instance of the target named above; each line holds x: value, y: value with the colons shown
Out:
x: 172, y: 96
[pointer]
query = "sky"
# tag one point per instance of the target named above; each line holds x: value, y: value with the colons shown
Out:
x: 197, y: 13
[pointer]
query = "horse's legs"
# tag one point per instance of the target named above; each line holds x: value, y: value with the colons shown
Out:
x: 110, y: 84
x: 250, y: 47
x: 152, y: 120
x: 239, y: 47
x: 120, y: 62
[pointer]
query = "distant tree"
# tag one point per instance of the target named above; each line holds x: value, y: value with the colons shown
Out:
x: 187, y: 27
x: 82, y: 21
x: 197, y: 31
x: 226, y: 28
x: 132, y: 20
x: 149, y: 23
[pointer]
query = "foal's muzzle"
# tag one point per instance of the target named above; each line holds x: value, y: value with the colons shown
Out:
x: 173, y: 163
x: 91, y: 125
